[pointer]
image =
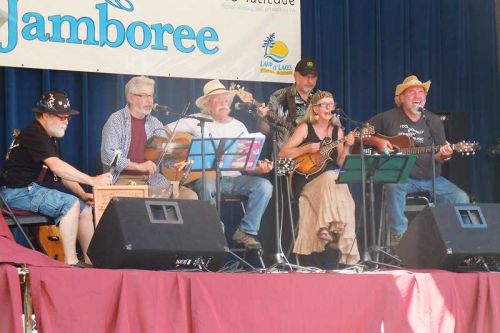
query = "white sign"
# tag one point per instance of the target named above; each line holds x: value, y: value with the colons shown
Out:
x: 254, y: 40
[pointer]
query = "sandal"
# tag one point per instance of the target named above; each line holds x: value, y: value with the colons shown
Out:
x: 325, y: 235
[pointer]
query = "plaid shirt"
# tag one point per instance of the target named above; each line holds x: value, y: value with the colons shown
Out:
x: 116, y: 134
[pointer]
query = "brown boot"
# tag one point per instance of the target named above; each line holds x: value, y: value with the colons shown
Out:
x: 250, y: 242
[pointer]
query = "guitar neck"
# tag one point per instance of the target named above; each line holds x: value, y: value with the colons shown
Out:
x: 326, y: 149
x: 418, y: 150
x: 280, y: 120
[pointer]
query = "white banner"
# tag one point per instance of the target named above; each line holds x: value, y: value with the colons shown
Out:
x: 254, y: 40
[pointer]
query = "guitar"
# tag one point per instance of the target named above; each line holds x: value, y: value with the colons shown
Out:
x: 405, y: 145
x: 50, y: 241
x: 176, y: 168
x: 178, y: 153
x: 246, y: 97
x: 312, y: 163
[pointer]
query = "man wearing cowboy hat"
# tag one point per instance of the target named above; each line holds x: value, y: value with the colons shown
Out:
x: 215, y: 104
x: 35, y: 176
x: 410, y: 118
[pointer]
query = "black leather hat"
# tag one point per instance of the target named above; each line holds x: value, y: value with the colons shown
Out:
x: 55, y: 102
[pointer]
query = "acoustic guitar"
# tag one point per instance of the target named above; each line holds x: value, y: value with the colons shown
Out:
x: 179, y: 153
x: 312, y: 163
x: 50, y: 241
x: 406, y: 145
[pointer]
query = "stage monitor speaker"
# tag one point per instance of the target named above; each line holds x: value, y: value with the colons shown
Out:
x: 454, y: 237
x: 158, y: 234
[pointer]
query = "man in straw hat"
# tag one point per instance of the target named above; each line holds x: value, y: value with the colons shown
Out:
x: 215, y: 104
x: 410, y: 118
x: 35, y: 176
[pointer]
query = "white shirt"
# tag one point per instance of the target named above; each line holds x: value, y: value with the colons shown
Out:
x: 213, y: 129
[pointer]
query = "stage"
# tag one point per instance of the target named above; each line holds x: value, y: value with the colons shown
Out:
x: 67, y: 299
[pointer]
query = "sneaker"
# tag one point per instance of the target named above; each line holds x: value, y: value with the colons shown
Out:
x: 250, y: 242
x: 395, y: 240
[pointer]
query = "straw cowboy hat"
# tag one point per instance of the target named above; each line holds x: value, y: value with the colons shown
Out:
x: 213, y: 87
x: 55, y: 102
x: 410, y: 81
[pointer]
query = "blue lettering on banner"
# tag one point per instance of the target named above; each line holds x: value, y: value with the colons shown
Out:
x: 139, y: 35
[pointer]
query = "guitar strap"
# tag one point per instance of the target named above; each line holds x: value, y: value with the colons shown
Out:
x: 292, y: 108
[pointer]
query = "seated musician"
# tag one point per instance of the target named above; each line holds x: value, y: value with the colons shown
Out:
x: 128, y: 130
x: 407, y: 119
x: 34, y: 171
x: 215, y: 104
x: 326, y: 209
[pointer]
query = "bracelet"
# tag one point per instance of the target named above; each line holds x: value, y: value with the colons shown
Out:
x: 447, y: 159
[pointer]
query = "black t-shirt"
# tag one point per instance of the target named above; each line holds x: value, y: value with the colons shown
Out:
x: 395, y: 122
x: 24, y: 160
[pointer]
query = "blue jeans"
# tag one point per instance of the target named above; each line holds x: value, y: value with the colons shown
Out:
x: 395, y: 198
x: 39, y: 199
x: 257, y: 189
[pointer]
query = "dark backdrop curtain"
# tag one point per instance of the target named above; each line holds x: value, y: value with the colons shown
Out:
x: 363, y: 47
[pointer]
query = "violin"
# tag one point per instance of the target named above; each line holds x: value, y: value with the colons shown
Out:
x: 174, y: 157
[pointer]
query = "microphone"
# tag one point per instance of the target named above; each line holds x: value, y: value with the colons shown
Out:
x: 422, y: 110
x: 243, y: 106
x: 337, y: 111
x: 161, y: 108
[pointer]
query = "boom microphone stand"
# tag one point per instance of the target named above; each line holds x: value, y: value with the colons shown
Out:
x: 423, y: 111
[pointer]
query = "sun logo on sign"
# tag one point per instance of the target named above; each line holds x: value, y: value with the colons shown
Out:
x: 274, y: 49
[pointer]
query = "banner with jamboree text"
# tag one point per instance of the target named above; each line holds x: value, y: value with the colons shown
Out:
x: 254, y: 40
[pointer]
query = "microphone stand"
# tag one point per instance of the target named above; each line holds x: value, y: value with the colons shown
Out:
x: 164, y: 152
x: 342, y: 115
x: 201, y: 123
x: 433, y: 152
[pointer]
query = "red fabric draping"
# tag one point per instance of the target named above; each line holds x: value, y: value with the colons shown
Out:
x: 4, y: 228
x: 145, y: 301
x: 97, y: 300
x: 10, y: 300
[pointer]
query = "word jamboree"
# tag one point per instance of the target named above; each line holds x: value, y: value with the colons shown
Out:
x: 139, y: 35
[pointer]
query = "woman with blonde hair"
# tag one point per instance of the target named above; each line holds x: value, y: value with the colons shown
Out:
x: 326, y: 208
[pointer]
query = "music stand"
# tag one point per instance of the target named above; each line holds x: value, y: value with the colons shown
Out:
x: 226, y: 154
x: 379, y: 169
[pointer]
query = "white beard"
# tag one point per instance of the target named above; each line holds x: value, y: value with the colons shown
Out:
x: 58, y: 131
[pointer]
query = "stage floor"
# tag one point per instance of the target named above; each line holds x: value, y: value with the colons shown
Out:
x: 69, y: 299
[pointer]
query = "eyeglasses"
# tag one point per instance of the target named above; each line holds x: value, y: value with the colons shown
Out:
x: 144, y: 96
x: 62, y: 118
x: 326, y: 105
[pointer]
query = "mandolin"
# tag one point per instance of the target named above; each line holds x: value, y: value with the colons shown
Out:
x: 312, y: 163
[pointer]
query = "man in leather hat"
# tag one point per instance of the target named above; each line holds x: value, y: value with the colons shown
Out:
x: 35, y: 176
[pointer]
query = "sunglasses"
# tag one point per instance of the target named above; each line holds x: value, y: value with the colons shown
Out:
x: 62, y: 118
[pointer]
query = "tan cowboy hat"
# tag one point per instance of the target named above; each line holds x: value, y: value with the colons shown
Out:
x: 213, y: 87
x: 410, y: 81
